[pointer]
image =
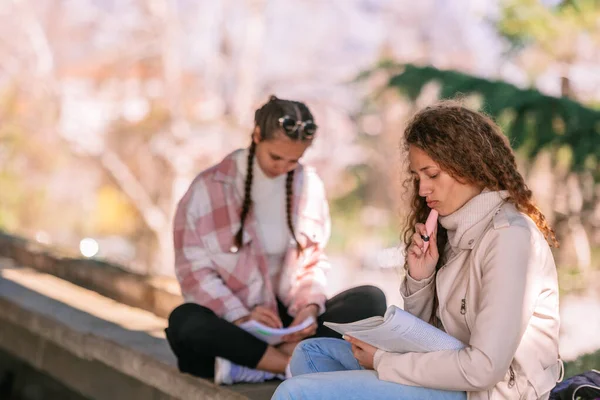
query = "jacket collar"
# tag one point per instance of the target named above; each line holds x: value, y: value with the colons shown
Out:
x: 466, y: 225
x: 226, y: 170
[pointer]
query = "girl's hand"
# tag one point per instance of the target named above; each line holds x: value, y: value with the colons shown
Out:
x: 308, y: 311
x: 363, y: 352
x: 421, y: 264
x: 266, y: 316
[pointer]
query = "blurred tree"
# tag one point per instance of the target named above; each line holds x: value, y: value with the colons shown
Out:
x: 561, y: 40
x: 557, y: 138
x: 148, y: 93
x: 24, y: 158
x: 125, y: 107
x: 543, y: 36
x: 534, y: 122
x: 135, y: 97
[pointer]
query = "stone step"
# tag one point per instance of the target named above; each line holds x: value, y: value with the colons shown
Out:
x: 159, y: 295
x: 94, y: 345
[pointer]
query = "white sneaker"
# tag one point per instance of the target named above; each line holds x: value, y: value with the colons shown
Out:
x: 228, y: 373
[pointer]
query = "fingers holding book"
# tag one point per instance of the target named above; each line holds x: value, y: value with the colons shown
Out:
x: 309, y: 311
x: 303, y: 334
x: 363, y: 352
x: 266, y: 316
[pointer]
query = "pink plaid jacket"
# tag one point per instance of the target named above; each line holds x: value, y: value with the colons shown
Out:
x: 231, y: 284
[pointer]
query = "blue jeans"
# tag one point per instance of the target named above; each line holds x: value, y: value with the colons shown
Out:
x: 341, y: 377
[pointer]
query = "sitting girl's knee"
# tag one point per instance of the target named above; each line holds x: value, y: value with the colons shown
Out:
x: 314, y: 344
x: 282, y: 391
x: 286, y: 390
x: 300, y: 349
x: 305, y: 345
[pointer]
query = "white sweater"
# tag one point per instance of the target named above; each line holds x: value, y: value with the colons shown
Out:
x: 268, y: 196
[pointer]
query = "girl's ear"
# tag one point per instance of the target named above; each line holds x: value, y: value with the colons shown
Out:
x: 256, y: 136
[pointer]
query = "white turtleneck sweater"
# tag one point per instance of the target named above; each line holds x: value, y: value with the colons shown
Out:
x: 269, y: 202
x: 473, y: 211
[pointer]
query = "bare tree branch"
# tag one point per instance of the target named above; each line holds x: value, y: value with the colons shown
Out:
x: 155, y: 218
x: 38, y: 39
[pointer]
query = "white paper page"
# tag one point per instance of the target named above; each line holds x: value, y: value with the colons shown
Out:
x: 403, y: 333
x: 366, y: 324
x: 429, y: 338
x: 273, y: 335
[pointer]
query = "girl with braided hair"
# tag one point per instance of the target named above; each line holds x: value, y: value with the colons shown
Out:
x: 487, y: 277
x: 249, y: 239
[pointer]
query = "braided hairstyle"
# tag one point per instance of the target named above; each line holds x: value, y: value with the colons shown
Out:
x: 486, y: 160
x: 266, y: 119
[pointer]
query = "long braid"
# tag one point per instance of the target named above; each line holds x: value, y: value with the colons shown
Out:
x: 289, y: 200
x: 237, y: 240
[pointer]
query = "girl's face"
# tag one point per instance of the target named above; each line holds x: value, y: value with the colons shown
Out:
x: 441, y: 191
x: 279, y: 155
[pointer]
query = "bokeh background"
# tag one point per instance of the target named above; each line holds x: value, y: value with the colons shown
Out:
x: 109, y: 108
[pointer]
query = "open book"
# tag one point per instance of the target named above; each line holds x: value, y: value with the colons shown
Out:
x: 398, y: 332
x: 273, y: 335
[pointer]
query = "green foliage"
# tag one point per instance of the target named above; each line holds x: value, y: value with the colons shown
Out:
x: 538, y: 121
x: 349, y: 228
x: 582, y: 364
x: 345, y: 209
x: 554, y: 30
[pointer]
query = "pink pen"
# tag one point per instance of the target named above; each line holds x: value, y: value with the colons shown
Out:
x: 429, y: 227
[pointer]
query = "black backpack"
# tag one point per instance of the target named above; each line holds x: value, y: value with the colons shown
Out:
x: 585, y: 386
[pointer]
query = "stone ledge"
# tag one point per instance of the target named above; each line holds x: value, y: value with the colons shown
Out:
x: 97, y: 367
x: 108, y: 279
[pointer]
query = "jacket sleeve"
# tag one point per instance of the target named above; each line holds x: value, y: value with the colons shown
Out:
x: 310, y: 277
x: 510, y: 262
x: 194, y: 266
x: 418, y: 296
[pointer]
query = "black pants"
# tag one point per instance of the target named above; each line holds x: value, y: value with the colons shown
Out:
x: 196, y: 335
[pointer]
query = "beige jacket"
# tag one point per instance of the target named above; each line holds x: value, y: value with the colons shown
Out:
x: 498, y: 293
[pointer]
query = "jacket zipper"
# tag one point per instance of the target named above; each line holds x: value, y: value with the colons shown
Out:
x: 463, y: 312
x: 463, y: 306
x: 463, y: 301
x: 511, y: 380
